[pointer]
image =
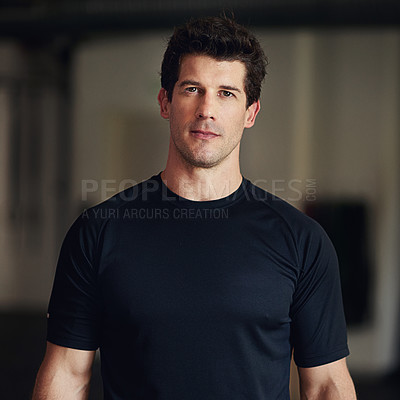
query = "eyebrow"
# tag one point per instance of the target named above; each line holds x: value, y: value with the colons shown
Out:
x: 189, y: 82
x: 195, y: 83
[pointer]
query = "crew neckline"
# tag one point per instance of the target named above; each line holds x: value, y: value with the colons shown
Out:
x: 179, y: 201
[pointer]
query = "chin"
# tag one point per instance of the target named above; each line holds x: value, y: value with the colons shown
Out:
x: 201, y: 159
x: 202, y: 163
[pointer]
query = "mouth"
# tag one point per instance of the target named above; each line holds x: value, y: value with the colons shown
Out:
x: 200, y: 134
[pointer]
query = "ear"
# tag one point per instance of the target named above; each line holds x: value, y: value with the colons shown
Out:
x: 251, y: 114
x: 164, y: 103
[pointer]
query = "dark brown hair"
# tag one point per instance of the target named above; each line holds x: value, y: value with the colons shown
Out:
x: 222, y: 39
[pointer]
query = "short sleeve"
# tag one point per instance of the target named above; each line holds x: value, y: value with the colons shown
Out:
x: 318, y: 332
x: 74, y: 307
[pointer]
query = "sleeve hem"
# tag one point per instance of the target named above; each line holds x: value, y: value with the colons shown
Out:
x: 73, y: 344
x: 315, y: 361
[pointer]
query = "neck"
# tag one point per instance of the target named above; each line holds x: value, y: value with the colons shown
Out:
x: 202, y: 184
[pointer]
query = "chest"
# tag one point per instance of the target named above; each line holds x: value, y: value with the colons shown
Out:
x: 197, y: 271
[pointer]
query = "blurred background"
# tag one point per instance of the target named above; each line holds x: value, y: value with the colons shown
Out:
x: 79, y: 122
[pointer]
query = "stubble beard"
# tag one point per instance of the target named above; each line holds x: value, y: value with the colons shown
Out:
x: 198, y: 156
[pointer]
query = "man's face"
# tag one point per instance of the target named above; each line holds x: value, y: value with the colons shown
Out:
x: 207, y: 113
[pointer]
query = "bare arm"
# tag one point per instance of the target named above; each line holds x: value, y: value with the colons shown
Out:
x: 327, y: 382
x: 64, y: 374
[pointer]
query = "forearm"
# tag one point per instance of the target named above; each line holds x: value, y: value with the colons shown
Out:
x: 60, y: 385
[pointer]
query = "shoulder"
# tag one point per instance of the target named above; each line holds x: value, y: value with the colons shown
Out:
x: 295, y: 219
x: 88, y: 226
x: 307, y: 234
x: 133, y: 196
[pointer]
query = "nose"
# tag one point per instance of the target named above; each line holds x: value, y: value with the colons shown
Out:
x: 205, y: 108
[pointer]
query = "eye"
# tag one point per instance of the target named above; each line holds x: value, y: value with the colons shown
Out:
x: 191, y: 89
x: 227, y: 93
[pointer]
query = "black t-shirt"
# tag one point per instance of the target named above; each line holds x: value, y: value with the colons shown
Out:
x: 198, y: 300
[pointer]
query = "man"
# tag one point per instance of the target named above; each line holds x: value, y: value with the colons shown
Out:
x: 196, y: 284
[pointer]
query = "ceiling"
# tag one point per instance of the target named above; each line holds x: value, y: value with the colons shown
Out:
x: 42, y: 19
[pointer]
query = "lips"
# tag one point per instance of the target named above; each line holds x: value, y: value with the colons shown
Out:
x: 200, y: 134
